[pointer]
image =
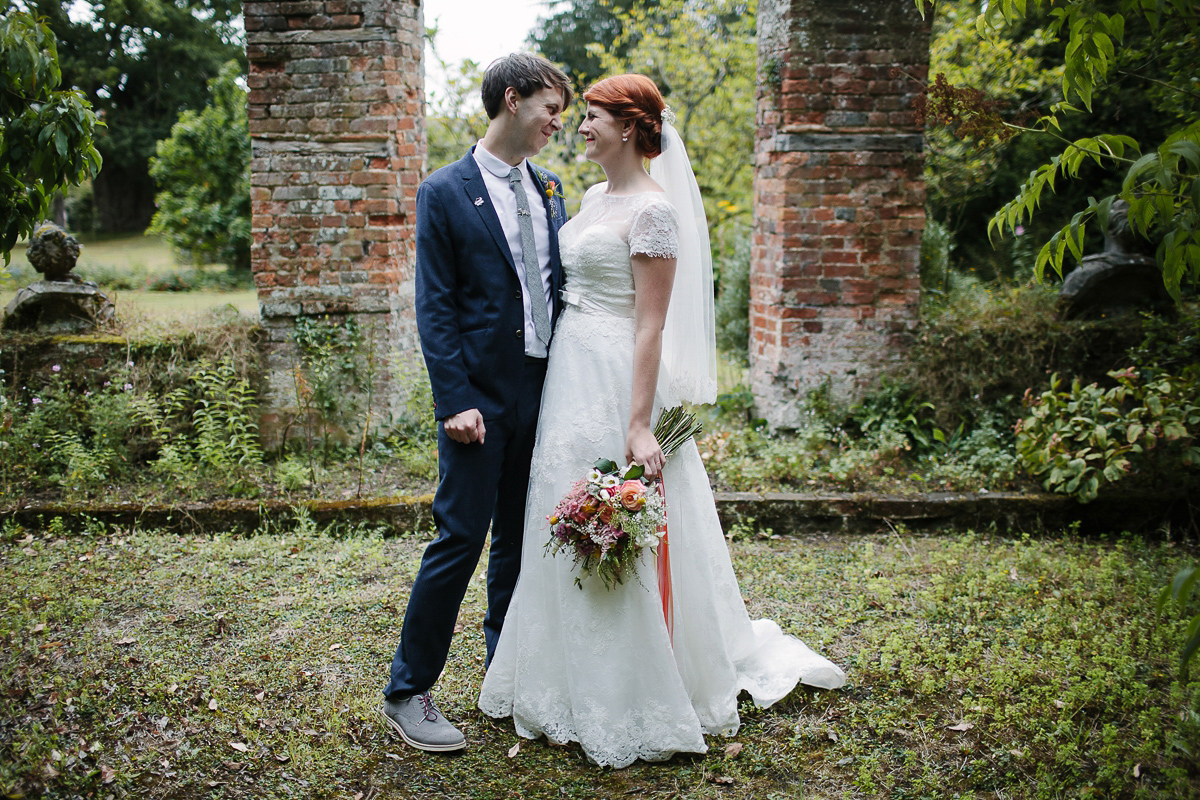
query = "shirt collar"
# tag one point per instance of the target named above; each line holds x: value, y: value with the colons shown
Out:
x: 494, y: 164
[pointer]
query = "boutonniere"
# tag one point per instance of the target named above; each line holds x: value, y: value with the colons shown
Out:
x: 553, y: 190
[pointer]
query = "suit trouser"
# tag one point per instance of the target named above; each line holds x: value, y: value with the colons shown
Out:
x: 477, y: 484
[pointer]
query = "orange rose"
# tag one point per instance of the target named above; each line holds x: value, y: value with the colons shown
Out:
x: 633, y: 495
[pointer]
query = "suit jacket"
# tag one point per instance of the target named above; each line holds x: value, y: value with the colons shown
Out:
x: 468, y: 296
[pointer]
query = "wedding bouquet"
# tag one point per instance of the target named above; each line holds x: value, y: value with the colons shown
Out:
x: 611, y: 514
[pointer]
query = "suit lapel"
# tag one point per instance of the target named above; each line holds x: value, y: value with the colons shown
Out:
x: 555, y: 216
x: 477, y: 194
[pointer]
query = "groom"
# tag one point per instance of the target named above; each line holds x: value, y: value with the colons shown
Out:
x: 487, y: 283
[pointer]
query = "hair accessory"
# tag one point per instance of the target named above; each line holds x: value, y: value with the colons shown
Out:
x: 668, y: 116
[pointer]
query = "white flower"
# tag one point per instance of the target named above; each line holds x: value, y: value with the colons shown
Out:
x: 594, y: 476
x: 609, y: 481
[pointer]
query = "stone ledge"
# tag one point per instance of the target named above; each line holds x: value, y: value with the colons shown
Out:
x: 781, y: 513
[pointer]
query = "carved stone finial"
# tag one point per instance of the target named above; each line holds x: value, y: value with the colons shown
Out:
x: 52, y: 252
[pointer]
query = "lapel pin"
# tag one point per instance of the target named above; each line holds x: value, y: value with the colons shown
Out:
x: 478, y: 201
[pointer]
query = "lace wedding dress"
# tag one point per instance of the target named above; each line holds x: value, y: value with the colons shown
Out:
x: 595, y: 665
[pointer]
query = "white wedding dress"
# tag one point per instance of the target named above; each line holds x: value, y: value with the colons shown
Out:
x: 595, y: 665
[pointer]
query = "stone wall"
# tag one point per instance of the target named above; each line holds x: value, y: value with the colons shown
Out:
x: 336, y: 120
x: 839, y: 196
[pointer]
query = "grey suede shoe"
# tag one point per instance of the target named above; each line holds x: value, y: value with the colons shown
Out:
x: 421, y: 724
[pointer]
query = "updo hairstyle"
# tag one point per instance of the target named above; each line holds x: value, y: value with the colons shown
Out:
x: 633, y: 97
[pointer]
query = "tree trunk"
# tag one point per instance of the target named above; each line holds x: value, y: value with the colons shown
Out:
x: 123, y: 198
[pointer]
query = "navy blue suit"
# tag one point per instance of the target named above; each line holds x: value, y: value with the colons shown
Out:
x: 472, y: 326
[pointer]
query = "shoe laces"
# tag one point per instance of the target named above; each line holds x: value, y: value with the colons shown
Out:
x: 431, y: 711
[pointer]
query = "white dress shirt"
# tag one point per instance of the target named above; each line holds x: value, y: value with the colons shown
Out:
x: 495, y: 177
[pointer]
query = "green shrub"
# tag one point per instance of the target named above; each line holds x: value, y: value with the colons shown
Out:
x: 203, y: 174
x: 1086, y: 438
x: 733, y: 302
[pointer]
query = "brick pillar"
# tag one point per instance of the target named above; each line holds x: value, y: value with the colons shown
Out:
x: 839, y: 196
x: 336, y: 120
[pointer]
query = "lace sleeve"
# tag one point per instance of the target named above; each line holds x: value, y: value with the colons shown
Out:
x: 655, y: 231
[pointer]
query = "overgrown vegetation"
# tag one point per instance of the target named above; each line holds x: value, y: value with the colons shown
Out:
x: 141, y: 663
x: 946, y: 416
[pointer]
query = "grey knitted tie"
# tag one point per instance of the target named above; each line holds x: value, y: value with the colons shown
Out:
x: 533, y: 270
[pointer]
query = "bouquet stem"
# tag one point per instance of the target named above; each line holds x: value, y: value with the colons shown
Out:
x: 674, y: 427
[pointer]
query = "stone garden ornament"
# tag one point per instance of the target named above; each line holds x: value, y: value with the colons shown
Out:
x: 62, y: 302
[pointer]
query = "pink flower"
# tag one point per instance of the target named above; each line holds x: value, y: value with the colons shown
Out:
x: 633, y: 495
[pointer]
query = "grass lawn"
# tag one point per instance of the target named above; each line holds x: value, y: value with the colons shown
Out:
x: 125, y: 251
x: 143, y: 664
x: 137, y: 254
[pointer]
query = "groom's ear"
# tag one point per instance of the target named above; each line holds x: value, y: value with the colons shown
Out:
x: 511, y: 99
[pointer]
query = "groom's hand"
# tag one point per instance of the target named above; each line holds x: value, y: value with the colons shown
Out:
x: 465, y: 426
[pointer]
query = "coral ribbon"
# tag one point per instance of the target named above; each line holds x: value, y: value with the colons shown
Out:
x: 664, y: 569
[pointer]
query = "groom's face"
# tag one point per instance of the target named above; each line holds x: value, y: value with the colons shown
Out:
x: 537, y: 118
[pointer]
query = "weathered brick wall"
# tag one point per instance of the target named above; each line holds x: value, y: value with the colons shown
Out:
x: 336, y: 119
x: 839, y: 196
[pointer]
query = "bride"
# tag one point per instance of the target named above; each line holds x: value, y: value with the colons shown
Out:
x: 585, y: 663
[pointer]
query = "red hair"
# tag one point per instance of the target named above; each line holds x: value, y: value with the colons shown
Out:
x: 633, y: 97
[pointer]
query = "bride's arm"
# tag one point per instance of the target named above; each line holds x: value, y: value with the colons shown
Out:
x: 652, y: 281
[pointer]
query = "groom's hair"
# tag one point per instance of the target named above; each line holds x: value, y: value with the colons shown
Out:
x: 524, y: 72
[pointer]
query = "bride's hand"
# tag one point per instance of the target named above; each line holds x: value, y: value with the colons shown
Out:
x: 642, y: 448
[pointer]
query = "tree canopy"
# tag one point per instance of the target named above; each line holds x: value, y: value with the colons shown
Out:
x: 46, y: 134
x: 1120, y: 119
x: 140, y: 63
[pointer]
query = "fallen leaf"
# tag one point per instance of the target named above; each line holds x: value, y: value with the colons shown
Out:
x: 1012, y: 574
x: 41, y: 626
x: 512, y: 751
x: 392, y: 756
x: 130, y: 640
x: 335, y: 647
x: 732, y: 750
x: 961, y: 727
x: 212, y: 704
x: 1137, y: 770
x: 833, y: 737
x: 49, y: 645
x: 721, y: 780
x: 1015, y: 753
x: 107, y: 774
x: 50, y: 772
x: 259, y: 697
x: 282, y: 759
x: 174, y: 687
x: 310, y: 732
x: 240, y: 747
x: 1059, y: 704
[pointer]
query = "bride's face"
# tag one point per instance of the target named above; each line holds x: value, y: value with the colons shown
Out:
x: 601, y: 134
